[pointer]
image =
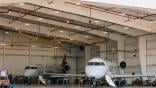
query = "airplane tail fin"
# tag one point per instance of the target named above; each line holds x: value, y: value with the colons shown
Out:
x: 110, y: 81
x: 42, y: 80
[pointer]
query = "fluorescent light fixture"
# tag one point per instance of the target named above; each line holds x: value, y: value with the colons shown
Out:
x: 55, y: 47
x: 7, y: 32
x: 105, y: 32
x: 77, y: 27
x: 61, y: 31
x: 40, y: 19
x: 126, y: 28
x: 21, y: 4
x: 67, y: 21
x: 153, y: 22
x: 16, y: 28
x: 2, y: 44
x: 9, y: 12
x: 59, y: 42
x: 86, y: 36
x: 151, y: 4
x: 57, y: 12
x: 71, y: 39
x: 27, y: 24
x: 96, y: 21
x: 33, y: 46
x: 122, y: 14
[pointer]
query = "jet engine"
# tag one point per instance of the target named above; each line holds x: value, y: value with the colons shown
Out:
x: 123, y: 65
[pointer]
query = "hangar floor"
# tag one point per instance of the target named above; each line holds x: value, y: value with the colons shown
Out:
x: 61, y: 86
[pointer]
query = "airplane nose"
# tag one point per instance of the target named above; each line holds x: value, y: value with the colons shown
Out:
x: 96, y: 72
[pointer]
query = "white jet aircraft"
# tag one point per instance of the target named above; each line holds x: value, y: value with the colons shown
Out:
x: 96, y: 69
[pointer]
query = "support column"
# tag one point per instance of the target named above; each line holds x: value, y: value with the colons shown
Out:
x: 87, y: 54
x: 142, y: 54
x: 103, y: 53
x: 121, y: 54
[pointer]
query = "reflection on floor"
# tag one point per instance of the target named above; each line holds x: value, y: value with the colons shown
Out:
x: 62, y: 86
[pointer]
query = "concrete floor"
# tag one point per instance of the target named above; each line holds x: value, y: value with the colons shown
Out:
x: 61, y: 86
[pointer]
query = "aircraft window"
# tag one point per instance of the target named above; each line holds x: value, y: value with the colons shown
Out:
x: 30, y: 67
x: 91, y: 63
x: 33, y: 67
x: 27, y: 67
x: 96, y: 63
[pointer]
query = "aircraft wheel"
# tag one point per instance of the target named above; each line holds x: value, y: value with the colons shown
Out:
x: 93, y: 85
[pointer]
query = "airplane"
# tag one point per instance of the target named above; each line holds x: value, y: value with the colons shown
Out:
x: 96, y: 69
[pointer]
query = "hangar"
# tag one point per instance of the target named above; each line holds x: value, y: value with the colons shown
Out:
x: 49, y: 42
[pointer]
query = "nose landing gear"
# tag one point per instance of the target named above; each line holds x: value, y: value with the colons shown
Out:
x: 93, y: 83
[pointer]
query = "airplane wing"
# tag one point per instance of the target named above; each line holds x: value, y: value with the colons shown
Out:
x: 131, y: 76
x: 65, y: 75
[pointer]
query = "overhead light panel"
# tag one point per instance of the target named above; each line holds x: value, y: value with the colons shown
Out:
x: 96, y: 21
x: 27, y: 24
x: 61, y: 31
x: 33, y: 46
x: 59, y: 42
x: 57, y: 12
x: 40, y: 19
x: 55, y: 47
x: 126, y: 28
x: 2, y: 44
x: 7, y: 32
x: 122, y: 14
x: 86, y: 36
x: 105, y: 32
x: 153, y: 22
x: 77, y: 27
x: 21, y: 4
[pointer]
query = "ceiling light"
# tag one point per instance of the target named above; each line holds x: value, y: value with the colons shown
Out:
x: 16, y: 28
x: 33, y: 46
x: 27, y: 24
x: 7, y: 32
x: 2, y: 44
x: 67, y: 21
x: 122, y: 14
x: 126, y: 28
x: 59, y: 42
x: 55, y: 47
x: 153, y: 22
x: 21, y: 4
x: 96, y: 21
x: 48, y: 34
x: 86, y: 36
x: 57, y: 12
x: 36, y: 38
x: 105, y: 32
x: 40, y: 19
x: 61, y: 31
x: 76, y: 27
x: 9, y: 12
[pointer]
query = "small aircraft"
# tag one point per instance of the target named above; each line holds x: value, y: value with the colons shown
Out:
x: 96, y: 69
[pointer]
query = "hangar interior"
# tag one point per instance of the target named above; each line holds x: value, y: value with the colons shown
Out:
x: 43, y: 31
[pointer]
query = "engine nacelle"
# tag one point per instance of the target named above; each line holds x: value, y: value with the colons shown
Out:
x: 123, y: 65
x: 66, y: 67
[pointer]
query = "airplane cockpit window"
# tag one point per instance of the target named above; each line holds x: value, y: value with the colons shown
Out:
x: 30, y: 67
x: 91, y: 63
x: 96, y: 63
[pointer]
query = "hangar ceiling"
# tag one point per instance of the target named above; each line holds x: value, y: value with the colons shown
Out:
x: 76, y: 21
